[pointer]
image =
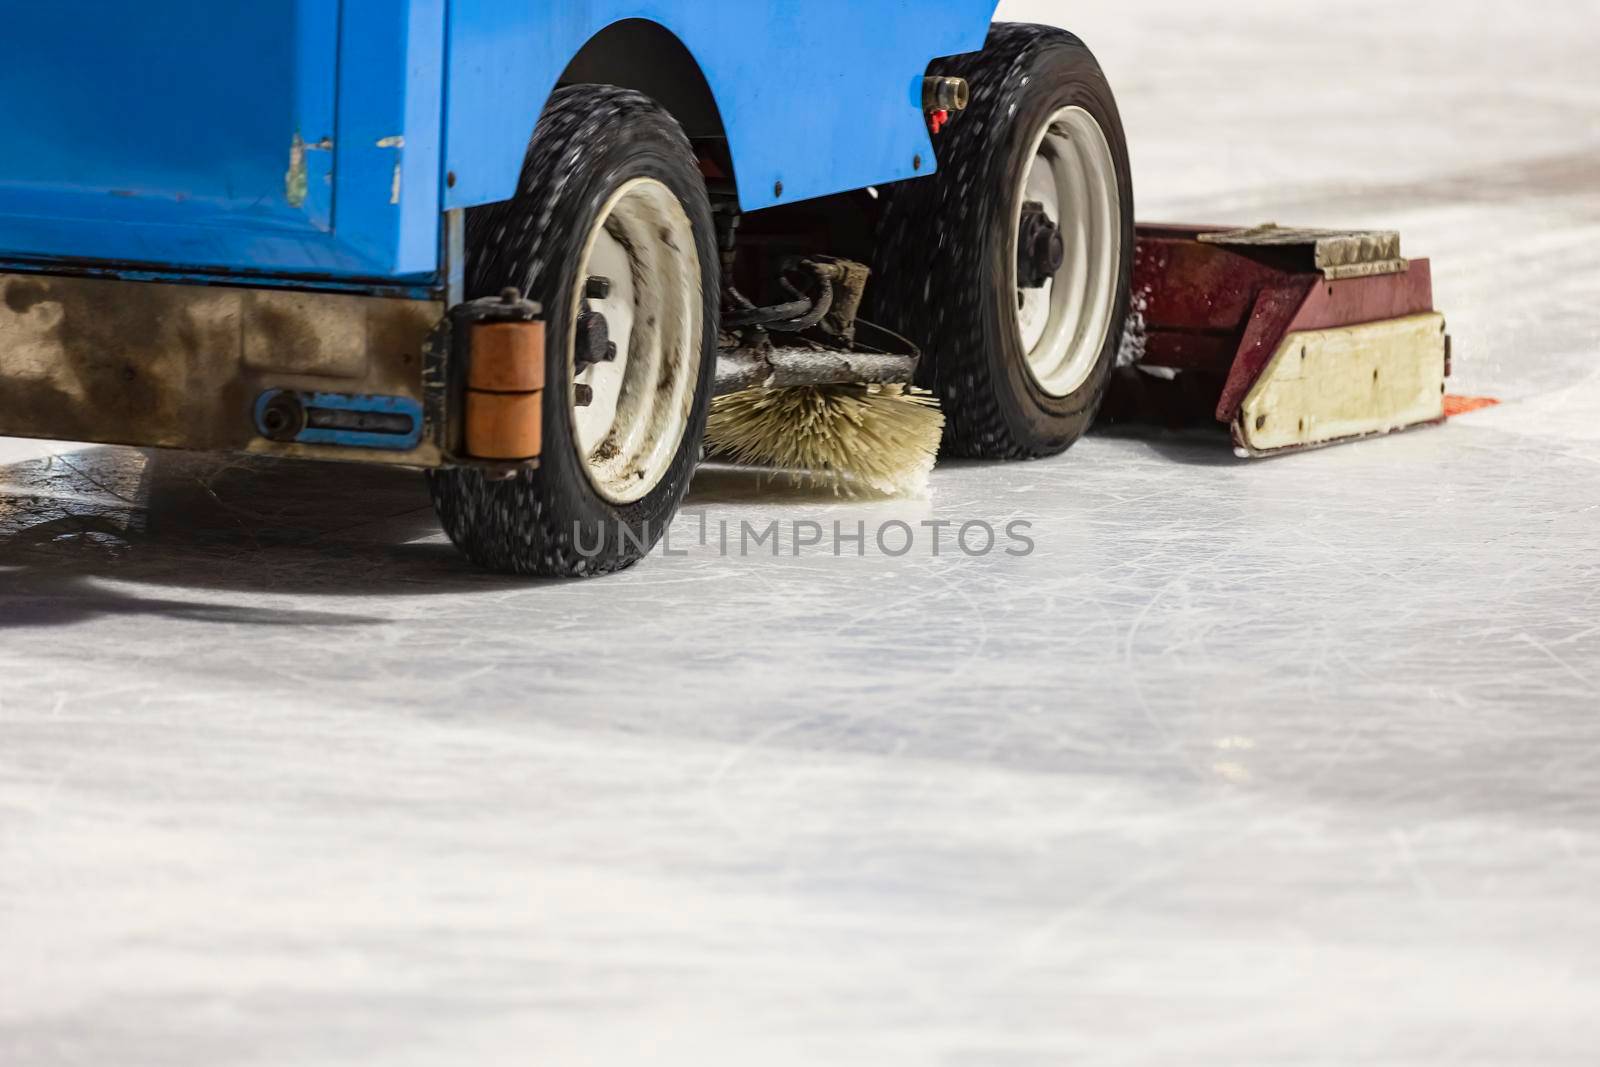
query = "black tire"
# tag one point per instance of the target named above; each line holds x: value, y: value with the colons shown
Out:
x: 590, y: 141
x: 944, y: 242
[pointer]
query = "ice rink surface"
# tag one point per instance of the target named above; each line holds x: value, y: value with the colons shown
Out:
x: 1282, y: 763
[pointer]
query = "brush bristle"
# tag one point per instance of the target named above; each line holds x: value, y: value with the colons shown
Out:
x: 856, y: 439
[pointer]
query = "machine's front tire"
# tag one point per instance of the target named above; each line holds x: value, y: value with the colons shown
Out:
x: 610, y: 188
x: 1020, y: 368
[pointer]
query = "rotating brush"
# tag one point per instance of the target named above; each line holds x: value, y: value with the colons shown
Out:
x: 858, y: 440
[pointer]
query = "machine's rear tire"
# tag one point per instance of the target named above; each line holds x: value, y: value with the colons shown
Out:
x: 1019, y: 374
x: 610, y: 187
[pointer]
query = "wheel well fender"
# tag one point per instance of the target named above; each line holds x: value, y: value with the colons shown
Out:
x: 647, y: 57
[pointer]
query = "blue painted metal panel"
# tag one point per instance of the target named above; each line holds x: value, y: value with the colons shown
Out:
x: 308, y: 139
x: 407, y: 409
x: 391, y: 120
x: 224, y: 136
x: 117, y: 100
x: 822, y: 95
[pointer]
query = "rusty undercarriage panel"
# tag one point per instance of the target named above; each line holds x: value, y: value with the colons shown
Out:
x: 181, y: 366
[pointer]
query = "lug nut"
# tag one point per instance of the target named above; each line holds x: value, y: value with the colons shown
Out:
x: 597, y: 288
x: 593, y: 343
x: 582, y: 395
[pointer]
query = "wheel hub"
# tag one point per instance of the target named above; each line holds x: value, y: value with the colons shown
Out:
x: 1041, y: 250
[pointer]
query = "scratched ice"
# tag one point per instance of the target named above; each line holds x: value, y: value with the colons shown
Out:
x: 1244, y: 764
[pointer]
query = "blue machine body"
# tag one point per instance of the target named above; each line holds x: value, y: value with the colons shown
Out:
x: 319, y: 142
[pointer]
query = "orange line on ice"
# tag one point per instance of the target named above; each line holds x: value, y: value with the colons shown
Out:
x: 1466, y: 405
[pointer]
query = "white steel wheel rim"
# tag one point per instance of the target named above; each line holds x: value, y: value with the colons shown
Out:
x: 1064, y: 324
x: 630, y: 432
